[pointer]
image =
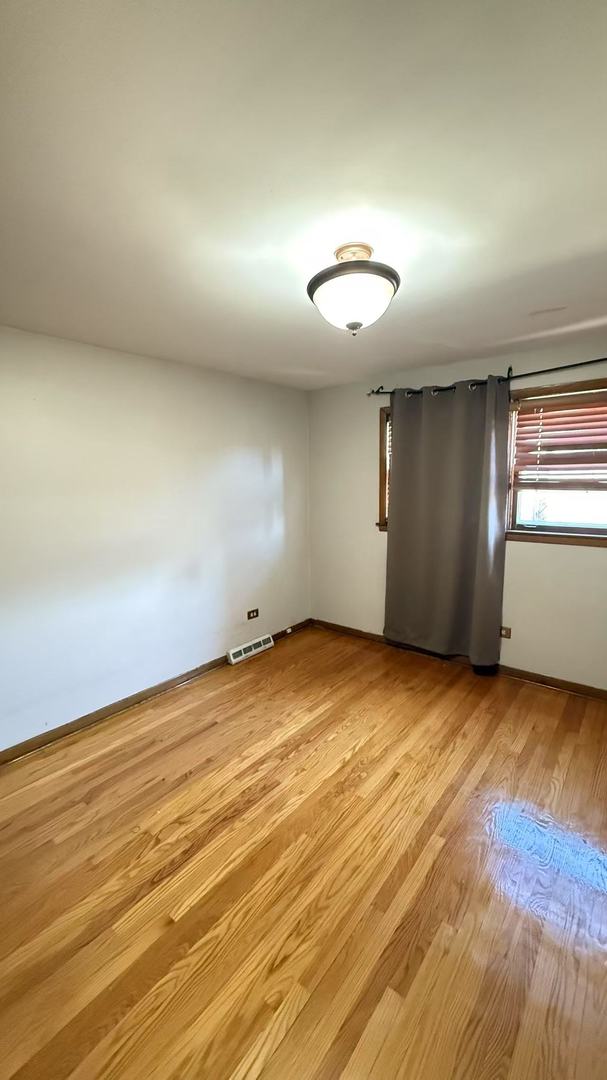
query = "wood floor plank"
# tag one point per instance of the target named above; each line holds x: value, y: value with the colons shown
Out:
x: 251, y: 1065
x: 341, y: 859
x: 388, y: 1015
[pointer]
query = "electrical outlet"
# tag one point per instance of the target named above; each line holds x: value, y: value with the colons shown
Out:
x: 506, y: 631
x: 253, y: 613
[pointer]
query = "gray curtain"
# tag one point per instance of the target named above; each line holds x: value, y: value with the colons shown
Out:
x: 447, y: 519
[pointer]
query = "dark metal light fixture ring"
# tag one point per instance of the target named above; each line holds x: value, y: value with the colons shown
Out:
x: 358, y: 266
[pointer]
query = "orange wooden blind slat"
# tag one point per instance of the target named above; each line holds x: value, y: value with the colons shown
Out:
x: 561, y: 440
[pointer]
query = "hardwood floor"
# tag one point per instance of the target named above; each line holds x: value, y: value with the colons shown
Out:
x: 339, y: 860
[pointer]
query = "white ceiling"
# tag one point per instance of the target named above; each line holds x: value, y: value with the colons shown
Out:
x: 173, y: 173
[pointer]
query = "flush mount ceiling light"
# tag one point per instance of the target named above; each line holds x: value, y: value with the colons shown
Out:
x: 356, y: 291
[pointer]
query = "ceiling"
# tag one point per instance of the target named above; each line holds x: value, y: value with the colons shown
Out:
x: 173, y: 173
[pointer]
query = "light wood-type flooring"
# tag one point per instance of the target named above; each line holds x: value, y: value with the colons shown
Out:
x: 336, y: 860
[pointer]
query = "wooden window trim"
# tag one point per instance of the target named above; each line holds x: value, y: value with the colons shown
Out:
x: 551, y: 534
x: 558, y: 388
x: 384, y: 417
x: 579, y: 539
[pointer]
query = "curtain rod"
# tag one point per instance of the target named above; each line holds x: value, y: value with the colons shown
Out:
x: 505, y: 378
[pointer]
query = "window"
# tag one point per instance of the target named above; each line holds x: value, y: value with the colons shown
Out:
x: 385, y: 460
x: 558, y: 460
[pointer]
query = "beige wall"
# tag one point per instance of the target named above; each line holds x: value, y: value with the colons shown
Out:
x: 145, y: 507
x: 555, y: 597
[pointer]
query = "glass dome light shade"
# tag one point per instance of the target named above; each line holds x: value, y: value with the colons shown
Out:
x: 351, y: 295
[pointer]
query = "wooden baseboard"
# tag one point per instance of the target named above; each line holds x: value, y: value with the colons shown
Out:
x: 348, y: 630
x: 292, y: 629
x: 383, y: 640
x: 509, y: 672
x: 73, y: 726
x: 554, y: 683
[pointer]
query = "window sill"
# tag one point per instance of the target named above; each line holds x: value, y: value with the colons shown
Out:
x: 579, y: 539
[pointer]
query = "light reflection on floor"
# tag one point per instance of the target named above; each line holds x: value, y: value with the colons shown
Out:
x: 532, y: 833
x: 552, y: 873
x: 556, y: 875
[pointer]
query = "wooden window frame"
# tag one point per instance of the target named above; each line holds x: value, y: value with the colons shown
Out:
x: 550, y: 534
x: 384, y: 419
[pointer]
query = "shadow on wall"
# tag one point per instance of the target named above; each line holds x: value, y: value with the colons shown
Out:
x: 114, y: 589
x: 155, y: 528
x: 250, y: 559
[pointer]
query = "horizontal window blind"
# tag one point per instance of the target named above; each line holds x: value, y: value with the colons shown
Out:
x: 561, y: 441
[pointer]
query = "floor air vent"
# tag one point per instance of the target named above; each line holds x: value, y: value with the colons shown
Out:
x: 243, y: 652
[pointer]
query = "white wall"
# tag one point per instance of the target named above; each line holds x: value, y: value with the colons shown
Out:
x: 555, y: 597
x: 145, y: 506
